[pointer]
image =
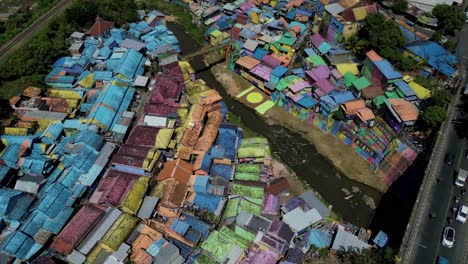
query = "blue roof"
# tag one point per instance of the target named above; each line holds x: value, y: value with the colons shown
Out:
x: 279, y: 71
x: 217, y: 152
x: 157, y: 245
x: 180, y: 227
x: 197, y: 224
x: 381, y: 239
x: 102, y: 75
x: 291, y: 14
x: 404, y: 88
x: 132, y: 64
x: 436, y: 56
x: 307, y: 101
x: 223, y: 171
x: 303, y: 12
x: 247, y: 33
x: 310, y: 51
x: 207, y: 202
x: 343, y: 97
x: 201, y: 183
x: 259, y: 53
x: 319, y: 238
x: 387, y: 70
x: 324, y: 47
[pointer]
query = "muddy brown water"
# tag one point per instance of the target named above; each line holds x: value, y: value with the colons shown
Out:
x: 293, y: 150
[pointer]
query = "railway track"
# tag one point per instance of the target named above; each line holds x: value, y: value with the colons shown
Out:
x: 36, y: 24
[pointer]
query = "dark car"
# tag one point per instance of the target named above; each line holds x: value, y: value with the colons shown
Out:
x: 449, y: 159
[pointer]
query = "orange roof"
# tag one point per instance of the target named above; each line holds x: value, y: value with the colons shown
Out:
x: 167, y: 211
x: 412, y: 29
x: 373, y: 56
x: 210, y: 132
x: 286, y: 60
x: 406, y: 110
x: 14, y: 100
x: 248, y: 62
x: 176, y: 169
x: 31, y: 91
x: 296, y: 3
x: 351, y: 106
x: 140, y: 256
x: 365, y: 114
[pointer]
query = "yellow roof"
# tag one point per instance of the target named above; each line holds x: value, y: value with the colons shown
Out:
x: 66, y: 94
x: 407, y: 78
x: 87, y: 82
x: 164, y: 137
x: 421, y: 92
x: 347, y: 67
x: 216, y: 33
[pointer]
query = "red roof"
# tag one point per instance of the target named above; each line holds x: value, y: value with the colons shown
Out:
x: 278, y: 186
x: 143, y: 136
x: 114, y: 188
x: 77, y: 229
x: 100, y: 27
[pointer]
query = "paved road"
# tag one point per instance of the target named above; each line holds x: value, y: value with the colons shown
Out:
x: 426, y: 246
x: 27, y: 33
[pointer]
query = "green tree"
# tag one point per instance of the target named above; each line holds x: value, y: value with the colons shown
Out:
x: 354, y: 44
x: 366, y: 256
x: 450, y: 45
x: 437, y: 35
x: 339, y: 115
x: 440, y: 97
x: 450, y: 18
x: 400, y: 6
x: 382, y: 34
x: 433, y: 116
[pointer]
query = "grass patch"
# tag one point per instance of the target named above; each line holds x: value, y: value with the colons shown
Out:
x: 184, y: 17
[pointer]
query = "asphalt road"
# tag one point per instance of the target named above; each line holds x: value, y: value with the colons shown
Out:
x: 427, y: 246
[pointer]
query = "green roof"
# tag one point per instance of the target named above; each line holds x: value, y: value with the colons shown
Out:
x: 379, y: 100
x: 250, y: 168
x: 361, y: 83
x: 349, y: 78
x: 392, y: 95
x: 247, y: 176
x: 236, y: 205
x: 248, y: 191
x: 217, y: 245
x: 204, y: 259
x: 244, y: 233
x: 316, y: 60
x: 287, y: 39
x: 234, y: 237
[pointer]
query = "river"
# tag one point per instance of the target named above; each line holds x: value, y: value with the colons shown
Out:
x: 293, y: 150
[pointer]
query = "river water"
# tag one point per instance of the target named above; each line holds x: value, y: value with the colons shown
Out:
x: 293, y: 150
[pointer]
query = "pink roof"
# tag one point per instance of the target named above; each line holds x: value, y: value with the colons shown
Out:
x: 295, y: 97
x: 325, y: 85
x: 317, y: 40
x: 300, y: 86
x: 260, y: 256
x: 143, y: 136
x: 321, y: 72
x: 262, y: 71
x: 271, y: 61
x: 319, y: 92
x: 271, y: 205
x: 246, y: 6
x: 336, y: 74
x: 114, y: 188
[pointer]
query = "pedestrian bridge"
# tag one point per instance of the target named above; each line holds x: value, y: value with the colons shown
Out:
x: 204, y: 51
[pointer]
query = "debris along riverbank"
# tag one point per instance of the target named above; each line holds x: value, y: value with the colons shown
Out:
x: 341, y: 156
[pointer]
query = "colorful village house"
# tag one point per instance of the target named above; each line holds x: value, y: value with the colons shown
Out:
x: 430, y: 53
x: 341, y: 19
x: 400, y: 113
x: 379, y: 71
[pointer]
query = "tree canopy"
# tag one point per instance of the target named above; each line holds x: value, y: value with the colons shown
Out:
x: 366, y: 256
x: 440, y: 97
x: 450, y: 18
x: 400, y: 6
x: 434, y: 116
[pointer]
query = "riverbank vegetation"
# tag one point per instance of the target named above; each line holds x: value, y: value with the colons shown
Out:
x: 183, y: 15
x: 23, y: 18
x: 29, y: 64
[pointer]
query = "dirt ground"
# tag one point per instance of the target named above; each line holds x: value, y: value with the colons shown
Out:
x: 297, y: 187
x: 342, y: 156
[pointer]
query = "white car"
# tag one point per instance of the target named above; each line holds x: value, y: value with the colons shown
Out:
x: 461, y: 178
x: 449, y: 237
x: 462, y: 213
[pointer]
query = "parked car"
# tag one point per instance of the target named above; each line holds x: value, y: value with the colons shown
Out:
x: 449, y: 237
x: 449, y: 158
x: 461, y: 177
x: 462, y: 213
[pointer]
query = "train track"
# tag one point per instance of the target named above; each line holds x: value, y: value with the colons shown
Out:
x: 36, y: 24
